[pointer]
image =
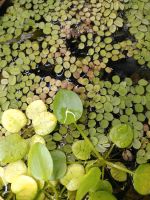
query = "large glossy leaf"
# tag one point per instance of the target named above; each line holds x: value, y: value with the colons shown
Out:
x: 40, y: 162
x: 102, y: 195
x: 88, y: 181
x: 59, y: 164
x: 118, y: 175
x: 121, y: 135
x: 81, y: 149
x: 141, y: 179
x: 12, y: 148
x: 67, y: 106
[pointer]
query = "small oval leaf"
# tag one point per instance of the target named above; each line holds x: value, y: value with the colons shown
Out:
x: 141, y: 179
x: 67, y: 106
x: 119, y: 175
x: 40, y: 162
x: 88, y: 181
x: 102, y: 195
x: 121, y: 135
x: 59, y: 164
x: 81, y: 150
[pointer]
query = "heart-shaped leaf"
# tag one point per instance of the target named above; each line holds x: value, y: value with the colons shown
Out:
x: 73, y: 177
x: 102, y: 195
x: 121, y: 135
x: 40, y: 162
x: 141, y: 179
x: 119, y: 175
x: 81, y: 150
x: 67, y: 106
x: 88, y: 181
x: 59, y: 164
x: 12, y: 148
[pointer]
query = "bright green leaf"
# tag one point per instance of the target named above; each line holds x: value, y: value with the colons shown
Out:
x: 102, y: 185
x: 141, y: 180
x: 13, y: 120
x: 59, y: 164
x: 67, y: 106
x: 12, y: 148
x: 88, y: 181
x: 102, y: 195
x: 118, y: 175
x: 81, y: 150
x: 121, y: 135
x: 40, y: 162
x: 73, y: 176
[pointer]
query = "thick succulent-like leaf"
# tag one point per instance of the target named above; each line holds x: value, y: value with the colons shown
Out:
x: 88, y: 181
x: 35, y: 108
x: 44, y: 123
x: 25, y: 188
x: 141, y: 179
x: 12, y: 148
x: 40, y: 162
x: 121, y: 135
x: 73, y: 177
x: 119, y: 175
x: 13, y: 120
x: 102, y: 195
x: 81, y: 150
x: 67, y: 106
x: 59, y: 164
x: 14, y: 169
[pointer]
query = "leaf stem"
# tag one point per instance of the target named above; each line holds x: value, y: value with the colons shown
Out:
x: 110, y: 164
x: 49, y: 184
x: 109, y: 151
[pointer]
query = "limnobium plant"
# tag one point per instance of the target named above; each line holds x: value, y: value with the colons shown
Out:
x: 54, y: 44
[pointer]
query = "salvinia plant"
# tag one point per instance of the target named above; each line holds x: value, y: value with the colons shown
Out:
x: 34, y: 173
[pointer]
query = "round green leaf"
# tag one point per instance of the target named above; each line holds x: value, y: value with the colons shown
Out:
x: 67, y: 106
x: 40, y: 163
x: 73, y: 176
x: 12, y: 148
x: 13, y: 120
x: 81, y: 150
x: 59, y: 164
x: 44, y: 123
x: 102, y: 195
x: 25, y: 188
x: 121, y: 135
x: 14, y: 169
x: 88, y: 181
x: 35, y: 108
x: 102, y: 185
x: 141, y: 180
x: 119, y: 175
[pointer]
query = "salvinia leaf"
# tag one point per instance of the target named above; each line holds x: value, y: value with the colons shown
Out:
x: 67, y: 106
x: 12, y: 148
x: 59, y: 164
x: 88, y: 181
x: 40, y: 162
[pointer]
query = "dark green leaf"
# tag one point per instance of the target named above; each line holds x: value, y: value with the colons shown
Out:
x: 12, y: 148
x: 59, y: 164
x: 67, y: 106
x: 88, y: 181
x: 40, y: 162
x: 102, y: 185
